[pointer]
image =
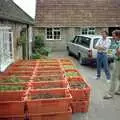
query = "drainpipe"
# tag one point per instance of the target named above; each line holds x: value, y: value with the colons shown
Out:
x: 27, y: 43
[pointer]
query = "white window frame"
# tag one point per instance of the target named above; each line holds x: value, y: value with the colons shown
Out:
x: 53, y: 30
x: 88, y: 30
x: 6, y: 54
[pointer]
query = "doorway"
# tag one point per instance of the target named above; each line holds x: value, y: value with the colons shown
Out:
x: 111, y: 29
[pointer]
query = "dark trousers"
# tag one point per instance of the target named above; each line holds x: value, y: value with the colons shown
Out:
x: 102, y: 60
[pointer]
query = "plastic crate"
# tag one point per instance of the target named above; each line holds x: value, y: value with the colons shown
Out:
x: 65, y: 60
x: 48, y: 65
x: 15, y: 117
x: 80, y: 106
x: 49, y: 85
x: 24, y: 78
x: 24, y: 65
x: 80, y: 94
x: 49, y: 72
x: 48, y: 68
x: 71, y: 73
x: 21, y: 69
x: 12, y: 103
x: 24, y: 86
x: 48, y: 60
x: 18, y: 73
x: 48, y: 105
x: 48, y: 78
x: 68, y: 67
x: 53, y: 116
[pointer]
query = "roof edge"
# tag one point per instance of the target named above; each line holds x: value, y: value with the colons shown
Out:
x: 32, y: 19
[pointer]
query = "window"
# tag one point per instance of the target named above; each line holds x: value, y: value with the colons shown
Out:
x: 79, y: 40
x: 53, y: 34
x: 84, y: 31
x: 75, y: 39
x: 88, y: 31
x: 85, y: 41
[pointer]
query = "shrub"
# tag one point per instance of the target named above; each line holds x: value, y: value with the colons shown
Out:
x: 36, y: 55
x: 39, y: 48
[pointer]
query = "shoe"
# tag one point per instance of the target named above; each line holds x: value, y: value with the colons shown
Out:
x: 108, y: 81
x: 108, y: 96
x: 117, y: 93
x: 97, y: 78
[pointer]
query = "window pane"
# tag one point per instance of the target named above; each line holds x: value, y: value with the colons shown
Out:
x: 91, y: 28
x: 86, y: 42
x: 56, y: 28
x: 53, y: 33
x: 75, y: 38
x: 84, y: 31
x: 91, y: 31
x: 56, y: 34
x: 79, y: 40
x: 49, y: 33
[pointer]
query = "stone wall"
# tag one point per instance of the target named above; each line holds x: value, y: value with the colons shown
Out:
x: 16, y: 29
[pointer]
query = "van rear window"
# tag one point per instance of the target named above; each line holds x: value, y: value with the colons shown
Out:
x: 95, y: 42
x: 86, y: 42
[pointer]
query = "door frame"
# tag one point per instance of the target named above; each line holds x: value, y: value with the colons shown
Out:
x: 7, y: 57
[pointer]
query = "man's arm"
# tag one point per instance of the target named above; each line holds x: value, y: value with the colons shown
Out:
x: 118, y: 50
x: 106, y: 46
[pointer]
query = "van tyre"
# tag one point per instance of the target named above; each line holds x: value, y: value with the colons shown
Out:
x: 69, y: 53
x: 81, y: 60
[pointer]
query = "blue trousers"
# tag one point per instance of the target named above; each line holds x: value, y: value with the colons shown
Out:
x: 102, y: 61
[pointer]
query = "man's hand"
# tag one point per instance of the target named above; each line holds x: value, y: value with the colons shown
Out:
x: 100, y: 48
x: 118, y: 52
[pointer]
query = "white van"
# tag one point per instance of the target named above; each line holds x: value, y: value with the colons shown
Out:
x: 83, y: 46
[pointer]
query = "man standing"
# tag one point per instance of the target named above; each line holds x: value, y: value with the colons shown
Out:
x: 102, y: 47
x: 116, y: 69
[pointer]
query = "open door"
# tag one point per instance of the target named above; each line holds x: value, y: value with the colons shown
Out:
x: 111, y: 29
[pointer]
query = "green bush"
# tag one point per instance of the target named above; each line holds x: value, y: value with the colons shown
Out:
x: 43, y: 51
x: 36, y: 55
x: 39, y: 48
x: 39, y: 41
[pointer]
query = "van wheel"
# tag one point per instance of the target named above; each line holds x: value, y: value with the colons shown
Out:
x: 69, y: 53
x: 81, y: 60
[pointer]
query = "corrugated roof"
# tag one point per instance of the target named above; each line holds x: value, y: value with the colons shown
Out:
x: 75, y: 13
x: 10, y: 11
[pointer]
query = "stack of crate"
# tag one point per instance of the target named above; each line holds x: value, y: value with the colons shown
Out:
x: 78, y: 87
x: 50, y: 89
x: 48, y: 97
x: 13, y: 86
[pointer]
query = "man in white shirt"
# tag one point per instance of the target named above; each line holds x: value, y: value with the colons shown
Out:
x: 102, y: 47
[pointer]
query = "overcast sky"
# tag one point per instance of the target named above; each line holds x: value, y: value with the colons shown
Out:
x: 27, y: 5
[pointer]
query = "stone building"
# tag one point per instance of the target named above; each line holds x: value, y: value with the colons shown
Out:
x: 60, y: 20
x: 15, y: 33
